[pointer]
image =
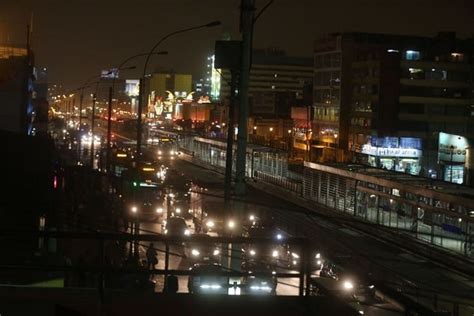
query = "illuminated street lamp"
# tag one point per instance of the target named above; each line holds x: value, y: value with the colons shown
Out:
x: 111, y: 95
x: 142, y: 81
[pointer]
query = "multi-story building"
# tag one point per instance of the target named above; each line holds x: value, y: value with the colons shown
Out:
x: 378, y: 95
x: 163, y: 92
x: 277, y: 82
x: 16, y: 89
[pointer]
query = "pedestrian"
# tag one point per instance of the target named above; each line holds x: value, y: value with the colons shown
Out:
x: 151, y: 257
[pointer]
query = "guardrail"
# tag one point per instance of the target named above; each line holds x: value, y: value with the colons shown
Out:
x: 283, y: 182
x: 101, y: 268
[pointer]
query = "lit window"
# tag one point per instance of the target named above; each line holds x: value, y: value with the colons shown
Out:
x: 412, y: 55
x: 457, y: 57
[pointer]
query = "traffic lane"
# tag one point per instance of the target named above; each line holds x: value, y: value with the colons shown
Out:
x: 344, y: 243
x: 176, y: 258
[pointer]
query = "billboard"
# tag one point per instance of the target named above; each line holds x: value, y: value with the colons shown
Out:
x: 110, y: 73
x: 452, y: 148
x: 132, y: 87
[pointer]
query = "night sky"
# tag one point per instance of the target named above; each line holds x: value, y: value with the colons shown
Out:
x: 75, y: 39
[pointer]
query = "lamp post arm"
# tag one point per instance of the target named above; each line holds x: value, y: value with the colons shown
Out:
x: 166, y: 37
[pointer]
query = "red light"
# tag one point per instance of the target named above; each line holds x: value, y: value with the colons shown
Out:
x: 55, y: 182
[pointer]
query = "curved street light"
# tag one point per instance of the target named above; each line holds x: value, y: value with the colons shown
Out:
x: 142, y: 81
x: 111, y: 94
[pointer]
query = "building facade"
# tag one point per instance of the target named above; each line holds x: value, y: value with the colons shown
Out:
x: 386, y: 98
x: 276, y: 82
x: 16, y: 89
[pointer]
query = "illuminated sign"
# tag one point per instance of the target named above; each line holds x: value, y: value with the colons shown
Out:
x: 110, y: 74
x: 132, y: 87
x: 452, y: 148
x: 390, y: 152
x: 215, y: 81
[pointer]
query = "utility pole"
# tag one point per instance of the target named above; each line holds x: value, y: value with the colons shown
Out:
x: 109, y: 131
x: 81, y: 98
x: 230, y: 136
x: 247, y: 19
x: 92, y: 130
x: 139, y: 120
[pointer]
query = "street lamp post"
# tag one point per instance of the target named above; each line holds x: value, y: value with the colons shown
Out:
x: 111, y: 94
x: 142, y: 81
x: 451, y: 165
x: 94, y: 100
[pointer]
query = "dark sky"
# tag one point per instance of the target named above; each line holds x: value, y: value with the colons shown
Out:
x: 75, y: 39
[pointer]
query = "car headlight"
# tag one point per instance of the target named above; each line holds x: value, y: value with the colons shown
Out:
x: 216, y: 252
x: 195, y: 252
x: 275, y: 253
x: 265, y: 288
x: 187, y: 232
x: 348, y: 285
x: 253, y: 252
x: 210, y: 224
x: 210, y: 286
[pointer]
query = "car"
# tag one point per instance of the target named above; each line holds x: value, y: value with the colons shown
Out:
x: 205, y: 278
x: 200, y: 251
x: 260, y: 281
x: 176, y: 226
x: 277, y: 254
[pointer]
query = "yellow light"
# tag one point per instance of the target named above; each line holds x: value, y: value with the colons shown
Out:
x: 121, y: 155
x: 148, y: 169
x: 271, y: 129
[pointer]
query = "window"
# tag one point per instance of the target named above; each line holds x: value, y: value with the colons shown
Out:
x: 416, y: 73
x: 336, y: 60
x: 412, y: 55
x: 412, y: 108
x: 457, y: 57
x: 436, y: 74
x: 318, y: 61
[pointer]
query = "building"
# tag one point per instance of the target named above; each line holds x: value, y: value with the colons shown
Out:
x: 207, y: 86
x: 276, y: 82
x: 16, y: 89
x: 164, y: 92
x: 386, y: 98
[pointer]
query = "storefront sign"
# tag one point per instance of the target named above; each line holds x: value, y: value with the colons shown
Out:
x: 390, y: 152
x: 452, y: 148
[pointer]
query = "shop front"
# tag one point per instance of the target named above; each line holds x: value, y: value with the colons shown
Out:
x: 401, y: 154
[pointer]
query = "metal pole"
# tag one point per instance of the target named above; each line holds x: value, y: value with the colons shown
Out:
x: 451, y: 166
x: 81, y: 98
x: 92, y: 130
x: 139, y: 120
x: 247, y: 20
x: 109, y: 131
x: 230, y: 137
